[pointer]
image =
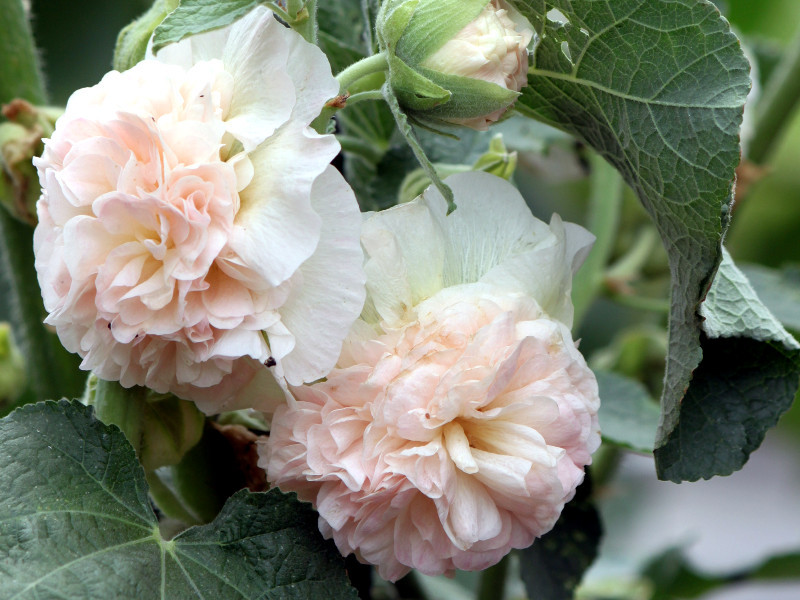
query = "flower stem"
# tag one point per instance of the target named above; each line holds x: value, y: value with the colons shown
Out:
x: 630, y: 265
x: 52, y: 372
x: 660, y: 305
x: 20, y: 75
x: 303, y: 18
x: 361, y: 96
x: 351, y: 75
x: 358, y: 70
x: 776, y: 107
x: 493, y: 581
x: 604, y: 209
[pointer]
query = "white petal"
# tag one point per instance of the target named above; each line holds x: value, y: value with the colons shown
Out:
x: 276, y: 229
x: 314, y: 84
x: 320, y: 314
x: 545, y: 272
x: 406, y: 251
x: 257, y: 56
x: 491, y: 223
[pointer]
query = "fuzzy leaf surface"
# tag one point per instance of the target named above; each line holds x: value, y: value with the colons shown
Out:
x: 76, y: 522
x: 198, y: 16
x: 658, y: 88
x: 747, y: 380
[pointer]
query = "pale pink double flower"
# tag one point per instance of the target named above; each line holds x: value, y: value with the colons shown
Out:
x: 460, y: 415
x: 191, y: 230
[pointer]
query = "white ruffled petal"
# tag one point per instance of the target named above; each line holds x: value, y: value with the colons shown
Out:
x: 492, y: 222
x: 406, y: 251
x: 332, y: 295
x: 257, y: 54
x: 276, y: 228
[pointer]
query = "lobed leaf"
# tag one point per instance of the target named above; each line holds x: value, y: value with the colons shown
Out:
x: 658, y: 88
x: 75, y: 522
x: 779, y: 290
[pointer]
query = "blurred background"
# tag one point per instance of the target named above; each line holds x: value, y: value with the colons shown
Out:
x: 722, y: 526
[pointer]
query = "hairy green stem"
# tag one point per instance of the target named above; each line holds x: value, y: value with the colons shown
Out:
x: 51, y: 371
x: 604, y: 210
x: 361, y: 96
x: 493, y: 581
x: 348, y: 77
x: 20, y: 75
x: 777, y: 105
x: 358, y: 70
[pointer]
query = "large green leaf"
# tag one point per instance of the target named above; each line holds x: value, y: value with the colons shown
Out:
x: 555, y: 564
x: 779, y: 290
x: 747, y: 380
x: 658, y: 88
x: 628, y: 415
x: 75, y: 522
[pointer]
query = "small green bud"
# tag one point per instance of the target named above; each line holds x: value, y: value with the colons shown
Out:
x: 160, y: 427
x: 20, y: 141
x: 457, y: 62
x: 133, y: 39
x: 12, y: 367
x: 497, y: 160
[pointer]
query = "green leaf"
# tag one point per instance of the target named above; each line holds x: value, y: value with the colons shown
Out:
x: 131, y: 45
x: 198, y: 16
x: 554, y: 565
x: 628, y: 415
x: 672, y: 576
x: 162, y: 428
x: 779, y: 290
x: 747, y: 380
x: 343, y: 23
x: 658, y: 88
x: 75, y: 522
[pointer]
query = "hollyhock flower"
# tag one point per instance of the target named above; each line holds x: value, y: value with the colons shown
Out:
x: 191, y: 228
x: 460, y: 415
x: 453, y: 61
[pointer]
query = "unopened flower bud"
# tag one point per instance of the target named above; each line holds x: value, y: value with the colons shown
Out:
x: 497, y: 160
x: 161, y: 427
x: 461, y: 62
x: 21, y: 140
